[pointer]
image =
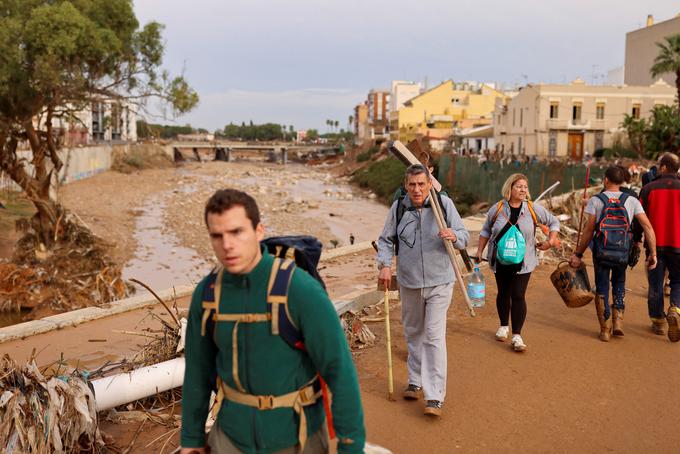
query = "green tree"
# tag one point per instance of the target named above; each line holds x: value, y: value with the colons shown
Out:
x: 668, y: 60
x: 635, y: 128
x: 58, y: 57
x: 350, y: 123
x: 312, y: 134
x: 336, y: 124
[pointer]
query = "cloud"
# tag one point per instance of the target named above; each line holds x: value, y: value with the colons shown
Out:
x: 303, y: 108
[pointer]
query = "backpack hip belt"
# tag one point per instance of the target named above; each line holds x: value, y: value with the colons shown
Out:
x: 297, y: 400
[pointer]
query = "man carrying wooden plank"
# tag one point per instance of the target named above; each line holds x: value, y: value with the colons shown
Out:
x: 426, y: 278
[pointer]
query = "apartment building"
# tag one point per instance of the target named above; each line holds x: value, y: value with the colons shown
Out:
x: 402, y: 91
x: 436, y: 112
x: 101, y: 122
x: 378, y: 113
x: 641, y: 50
x: 571, y: 120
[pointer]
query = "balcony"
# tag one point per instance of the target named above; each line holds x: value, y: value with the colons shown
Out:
x: 554, y: 123
x: 578, y: 125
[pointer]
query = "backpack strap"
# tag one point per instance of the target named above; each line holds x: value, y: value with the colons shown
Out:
x: 530, y: 205
x: 401, y: 208
x: 211, y: 298
x: 499, y: 207
x: 277, y: 300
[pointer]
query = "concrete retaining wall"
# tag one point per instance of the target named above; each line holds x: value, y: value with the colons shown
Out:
x: 79, y: 163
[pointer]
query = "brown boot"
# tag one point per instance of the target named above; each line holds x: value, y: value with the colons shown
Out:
x: 617, y: 319
x: 605, y: 325
x: 659, y: 326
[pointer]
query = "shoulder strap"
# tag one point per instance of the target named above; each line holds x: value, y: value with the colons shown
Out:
x: 499, y: 207
x: 211, y: 296
x: 277, y: 301
x: 399, y: 215
x: 530, y: 205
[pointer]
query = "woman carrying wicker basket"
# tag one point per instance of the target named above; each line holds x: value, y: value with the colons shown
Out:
x: 510, y: 232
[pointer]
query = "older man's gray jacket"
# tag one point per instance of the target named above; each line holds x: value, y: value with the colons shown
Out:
x: 423, y: 261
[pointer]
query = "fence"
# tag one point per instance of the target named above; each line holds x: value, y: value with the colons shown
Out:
x: 485, y: 180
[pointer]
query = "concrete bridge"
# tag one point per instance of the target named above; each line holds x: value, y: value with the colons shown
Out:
x: 227, y: 151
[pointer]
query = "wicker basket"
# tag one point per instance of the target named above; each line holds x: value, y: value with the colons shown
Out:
x: 572, y: 285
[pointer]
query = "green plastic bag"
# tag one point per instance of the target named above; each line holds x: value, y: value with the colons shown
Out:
x: 511, y: 247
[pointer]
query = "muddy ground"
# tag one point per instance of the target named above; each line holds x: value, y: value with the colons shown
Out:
x: 568, y: 392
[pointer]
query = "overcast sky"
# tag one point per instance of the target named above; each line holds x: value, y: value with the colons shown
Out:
x: 300, y: 62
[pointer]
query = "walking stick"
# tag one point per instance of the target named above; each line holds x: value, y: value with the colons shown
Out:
x: 390, y: 380
x: 580, y: 220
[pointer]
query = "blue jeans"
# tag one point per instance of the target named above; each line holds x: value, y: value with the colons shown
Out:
x: 655, y: 278
x: 618, y: 280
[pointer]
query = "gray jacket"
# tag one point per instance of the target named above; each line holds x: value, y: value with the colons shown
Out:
x: 423, y: 260
x: 525, y: 224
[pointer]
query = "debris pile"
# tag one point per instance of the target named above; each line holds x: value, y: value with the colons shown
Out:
x: 76, y: 273
x: 43, y: 414
x: 358, y: 335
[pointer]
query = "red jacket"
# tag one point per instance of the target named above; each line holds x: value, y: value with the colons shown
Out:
x: 661, y: 201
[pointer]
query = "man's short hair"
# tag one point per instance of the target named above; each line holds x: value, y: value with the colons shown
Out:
x: 627, y: 177
x: 225, y: 199
x: 615, y: 174
x: 671, y: 161
x: 416, y: 169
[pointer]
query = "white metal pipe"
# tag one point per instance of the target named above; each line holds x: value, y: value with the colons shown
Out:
x: 120, y: 389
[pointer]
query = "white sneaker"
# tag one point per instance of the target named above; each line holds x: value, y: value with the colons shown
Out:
x: 517, y: 343
x: 502, y: 333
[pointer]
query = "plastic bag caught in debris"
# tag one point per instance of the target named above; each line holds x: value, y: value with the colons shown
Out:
x: 45, y: 415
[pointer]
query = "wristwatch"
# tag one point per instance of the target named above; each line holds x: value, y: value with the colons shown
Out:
x: 579, y: 254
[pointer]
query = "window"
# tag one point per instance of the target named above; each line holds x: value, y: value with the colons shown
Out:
x: 513, y: 117
x: 554, y: 109
x: 521, y: 117
x: 599, y: 111
x: 636, y: 111
x: 576, y: 111
x: 599, y: 140
x: 552, y: 143
x: 519, y: 145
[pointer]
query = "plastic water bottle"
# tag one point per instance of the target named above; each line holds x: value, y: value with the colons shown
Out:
x: 476, y: 288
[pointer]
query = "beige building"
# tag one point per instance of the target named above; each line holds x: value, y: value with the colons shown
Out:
x: 361, y: 127
x: 571, y: 120
x: 641, y: 50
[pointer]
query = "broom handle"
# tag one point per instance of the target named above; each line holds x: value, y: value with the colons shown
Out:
x: 390, y: 380
x: 580, y: 220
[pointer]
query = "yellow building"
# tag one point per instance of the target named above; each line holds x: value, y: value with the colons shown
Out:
x: 437, y: 111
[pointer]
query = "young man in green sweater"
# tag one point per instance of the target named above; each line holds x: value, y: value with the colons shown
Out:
x: 270, y: 394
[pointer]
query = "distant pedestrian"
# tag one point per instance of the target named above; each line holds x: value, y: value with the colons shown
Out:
x: 609, y: 220
x: 351, y: 238
x: 661, y: 201
x: 425, y: 275
x: 514, y: 210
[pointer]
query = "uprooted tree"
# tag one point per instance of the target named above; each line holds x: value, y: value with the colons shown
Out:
x: 57, y: 58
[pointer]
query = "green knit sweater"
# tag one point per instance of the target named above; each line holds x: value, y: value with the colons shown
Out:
x: 267, y: 365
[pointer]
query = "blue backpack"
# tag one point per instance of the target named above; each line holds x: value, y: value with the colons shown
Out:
x: 613, y: 235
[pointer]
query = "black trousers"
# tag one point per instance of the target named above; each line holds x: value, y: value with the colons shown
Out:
x: 512, y: 288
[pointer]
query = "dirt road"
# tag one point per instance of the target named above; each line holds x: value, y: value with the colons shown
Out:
x: 569, y: 392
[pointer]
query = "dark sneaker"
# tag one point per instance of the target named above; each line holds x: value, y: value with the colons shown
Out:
x: 434, y: 408
x: 412, y: 392
x: 673, y: 319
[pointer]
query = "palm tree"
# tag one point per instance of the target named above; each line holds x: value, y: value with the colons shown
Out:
x: 350, y: 122
x: 337, y: 123
x: 668, y: 60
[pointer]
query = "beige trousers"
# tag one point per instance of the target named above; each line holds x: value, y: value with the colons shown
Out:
x: 219, y: 443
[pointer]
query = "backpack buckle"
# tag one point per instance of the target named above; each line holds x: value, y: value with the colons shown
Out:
x: 265, y: 402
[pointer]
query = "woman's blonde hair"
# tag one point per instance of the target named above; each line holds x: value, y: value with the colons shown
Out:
x: 510, y: 182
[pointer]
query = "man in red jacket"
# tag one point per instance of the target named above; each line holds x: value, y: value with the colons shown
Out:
x: 661, y: 201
